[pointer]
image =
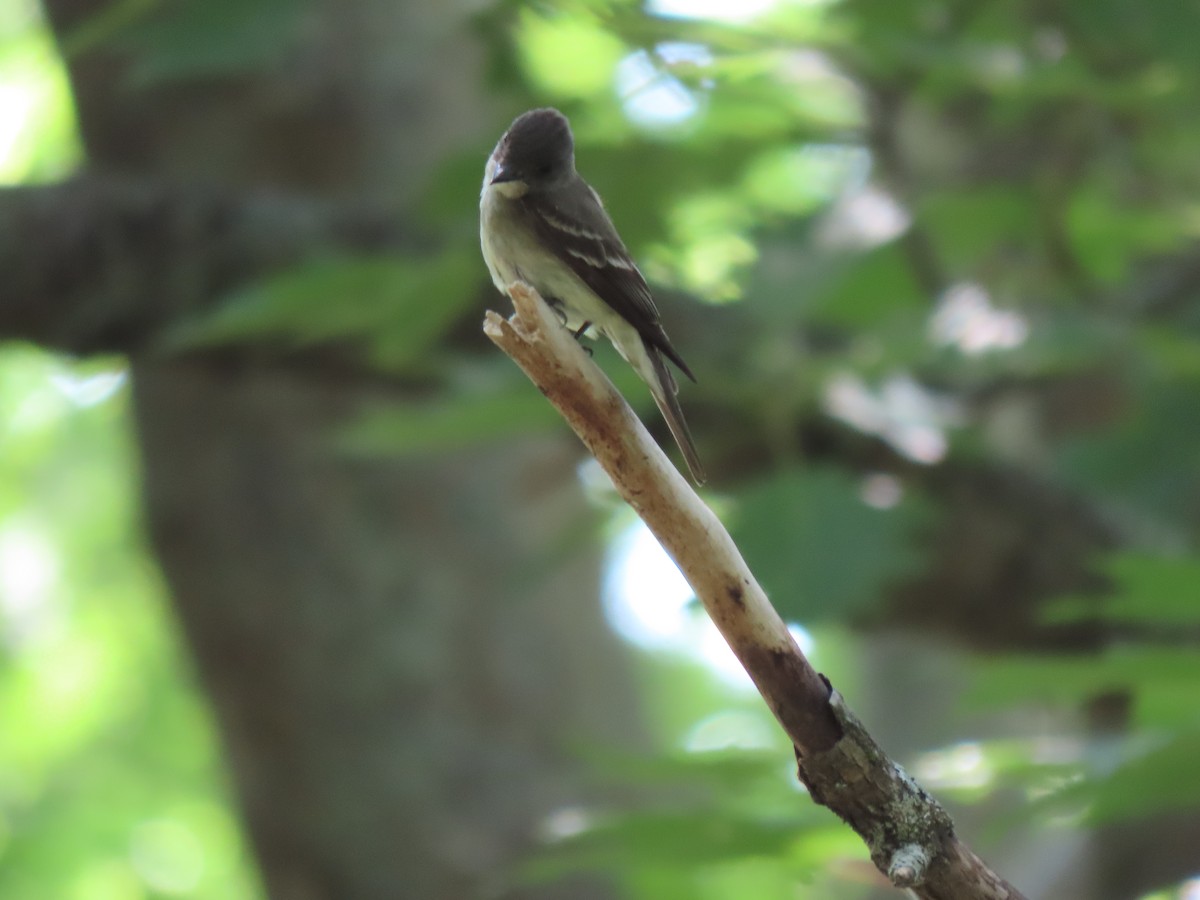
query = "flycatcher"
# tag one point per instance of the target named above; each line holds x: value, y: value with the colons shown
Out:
x: 541, y: 223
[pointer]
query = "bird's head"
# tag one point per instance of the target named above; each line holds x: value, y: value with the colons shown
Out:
x: 537, y: 152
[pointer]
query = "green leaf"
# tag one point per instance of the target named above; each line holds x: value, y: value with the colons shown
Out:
x: 1151, y: 590
x: 37, y: 137
x: 568, y: 56
x: 1147, y: 461
x: 1110, y: 231
x: 719, y: 808
x: 203, y: 37
x: 451, y: 422
x: 1161, y: 779
x: 681, y: 838
x: 1157, y: 779
x: 872, y: 287
x: 1163, y: 682
x: 105, y: 24
x: 399, y: 307
x: 974, y: 223
x: 799, y: 180
x: 726, y: 773
x: 817, y: 548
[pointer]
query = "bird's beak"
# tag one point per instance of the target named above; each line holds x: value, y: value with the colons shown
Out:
x: 502, y: 175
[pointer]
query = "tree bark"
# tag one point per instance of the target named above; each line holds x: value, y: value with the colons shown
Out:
x: 396, y: 698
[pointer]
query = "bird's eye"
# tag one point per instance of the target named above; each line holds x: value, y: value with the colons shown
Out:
x: 544, y: 170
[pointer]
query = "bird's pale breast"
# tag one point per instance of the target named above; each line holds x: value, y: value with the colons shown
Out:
x: 514, y: 253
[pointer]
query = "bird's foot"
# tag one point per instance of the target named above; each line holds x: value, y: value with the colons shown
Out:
x: 559, y: 310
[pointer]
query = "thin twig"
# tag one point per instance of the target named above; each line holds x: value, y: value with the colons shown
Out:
x: 910, y: 836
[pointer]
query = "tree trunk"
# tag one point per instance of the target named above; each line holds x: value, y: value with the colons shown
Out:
x: 398, y: 666
x: 397, y: 662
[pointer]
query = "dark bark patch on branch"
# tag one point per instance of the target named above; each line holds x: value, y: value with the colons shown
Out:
x: 795, y: 693
x: 900, y: 823
x: 737, y: 596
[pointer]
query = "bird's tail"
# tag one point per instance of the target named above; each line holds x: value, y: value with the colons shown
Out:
x: 664, y: 390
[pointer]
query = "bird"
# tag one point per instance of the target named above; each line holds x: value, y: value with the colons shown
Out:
x: 541, y: 223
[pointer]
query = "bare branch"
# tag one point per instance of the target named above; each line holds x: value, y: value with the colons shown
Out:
x: 910, y: 836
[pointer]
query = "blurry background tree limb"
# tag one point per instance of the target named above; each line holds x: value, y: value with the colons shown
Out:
x: 109, y: 264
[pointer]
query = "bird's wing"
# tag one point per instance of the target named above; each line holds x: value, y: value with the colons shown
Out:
x: 576, y: 227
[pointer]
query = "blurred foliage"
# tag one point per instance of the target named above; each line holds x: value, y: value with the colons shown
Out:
x: 384, y: 301
x: 812, y: 528
x: 189, y: 40
x: 37, y: 121
x: 109, y: 782
x: 727, y: 816
x: 723, y: 815
x: 110, y: 785
x: 913, y: 222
